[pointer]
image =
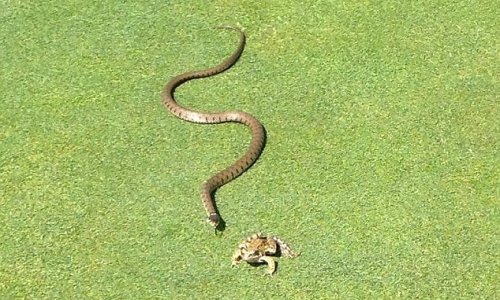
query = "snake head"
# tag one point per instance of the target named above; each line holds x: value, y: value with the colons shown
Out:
x: 217, y: 222
x: 214, y: 219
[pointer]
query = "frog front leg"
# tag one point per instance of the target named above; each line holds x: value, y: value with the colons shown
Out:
x: 236, y: 259
x: 271, y: 264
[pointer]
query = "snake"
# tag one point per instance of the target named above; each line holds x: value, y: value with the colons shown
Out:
x: 254, y: 150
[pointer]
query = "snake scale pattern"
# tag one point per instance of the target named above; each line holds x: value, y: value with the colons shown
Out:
x: 255, y: 148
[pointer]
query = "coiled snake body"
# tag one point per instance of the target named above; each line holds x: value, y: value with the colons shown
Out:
x: 258, y: 132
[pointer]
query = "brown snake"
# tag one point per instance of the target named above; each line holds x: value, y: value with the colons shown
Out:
x: 258, y: 132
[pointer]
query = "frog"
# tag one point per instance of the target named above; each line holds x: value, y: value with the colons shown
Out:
x: 259, y: 249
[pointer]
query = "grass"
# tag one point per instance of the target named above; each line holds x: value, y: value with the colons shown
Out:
x: 381, y: 166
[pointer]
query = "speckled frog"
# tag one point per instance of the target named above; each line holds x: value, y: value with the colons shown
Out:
x: 259, y: 249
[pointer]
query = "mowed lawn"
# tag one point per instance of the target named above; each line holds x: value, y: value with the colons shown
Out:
x: 381, y: 166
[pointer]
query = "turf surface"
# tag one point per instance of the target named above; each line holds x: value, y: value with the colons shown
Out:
x: 381, y: 166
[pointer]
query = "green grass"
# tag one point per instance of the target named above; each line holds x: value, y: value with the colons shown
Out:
x: 381, y: 166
